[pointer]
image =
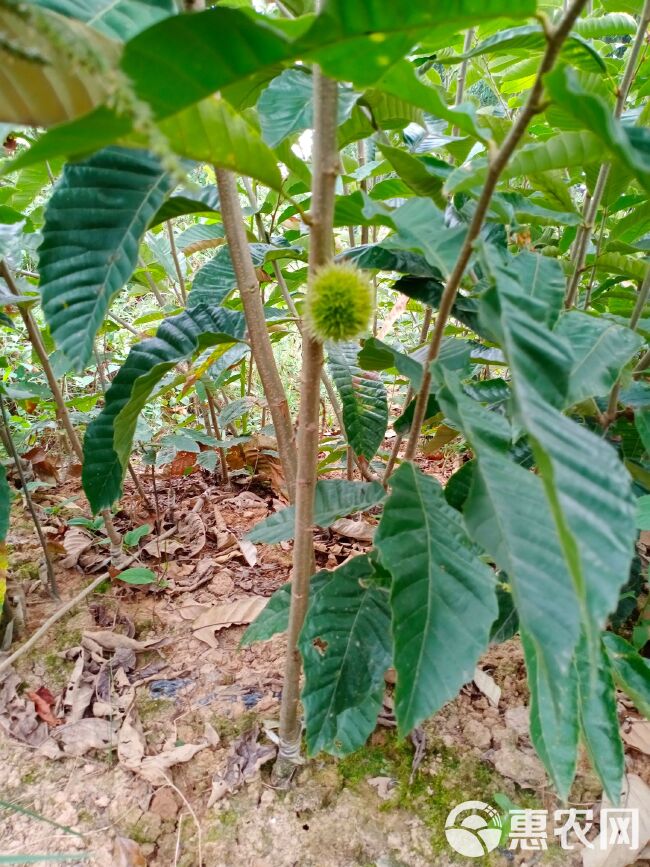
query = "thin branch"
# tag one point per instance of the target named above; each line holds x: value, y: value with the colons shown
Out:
x: 641, y: 301
x: 249, y: 290
x: 462, y: 75
x: 51, y: 579
x: 177, y: 261
x: 555, y: 39
x: 152, y: 283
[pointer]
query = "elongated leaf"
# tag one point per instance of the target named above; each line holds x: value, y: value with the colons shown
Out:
x: 554, y: 726
x: 424, y: 175
x: 216, y: 279
x: 202, y: 200
x: 334, y: 499
x: 631, y: 670
x: 346, y: 649
x: 442, y: 595
x: 94, y: 223
x: 363, y: 399
x: 108, y: 440
x: 377, y: 355
x: 626, y: 266
x: 562, y: 151
x: 39, y: 85
x: 421, y: 228
x: 595, y: 114
x: 274, y: 619
x: 120, y: 19
x: 378, y: 257
x: 612, y: 24
x: 600, y: 349
x: 587, y: 489
x: 530, y: 38
x: 599, y: 720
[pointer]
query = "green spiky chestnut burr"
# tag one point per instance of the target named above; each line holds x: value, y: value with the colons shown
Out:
x: 339, y: 303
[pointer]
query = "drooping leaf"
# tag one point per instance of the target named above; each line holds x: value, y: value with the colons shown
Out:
x: 377, y: 257
x: 631, y: 670
x: 554, y: 726
x: 107, y: 444
x: 363, y: 399
x: 429, y: 291
x: 334, y: 499
x: 119, y: 19
x: 346, y: 649
x: 421, y: 228
x: 619, y: 263
x: 94, y: 223
x: 216, y: 279
x: 202, y: 200
x: 599, y: 719
x: 442, y: 595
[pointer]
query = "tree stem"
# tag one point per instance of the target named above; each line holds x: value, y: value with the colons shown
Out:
x: 177, y: 261
x: 325, y: 170
x: 555, y: 39
x: 51, y: 579
x: 462, y: 75
x: 261, y: 347
x: 61, y: 409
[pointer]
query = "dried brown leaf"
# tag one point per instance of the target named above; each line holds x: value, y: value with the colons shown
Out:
x: 360, y: 530
x: 636, y: 734
x: 217, y: 617
x: 76, y: 541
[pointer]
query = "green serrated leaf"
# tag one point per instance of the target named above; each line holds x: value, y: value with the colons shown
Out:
x: 334, y: 499
x: 585, y: 485
x: 442, y: 595
x: 94, y: 223
x: 274, y: 618
x: 363, y: 399
x: 346, y: 649
x: 216, y: 279
x: 600, y: 349
x: 107, y: 444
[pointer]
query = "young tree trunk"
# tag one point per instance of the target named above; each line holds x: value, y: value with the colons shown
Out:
x: 61, y: 409
x: 262, y: 349
x: 325, y: 170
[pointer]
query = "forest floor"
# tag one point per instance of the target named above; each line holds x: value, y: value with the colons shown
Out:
x: 144, y: 733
